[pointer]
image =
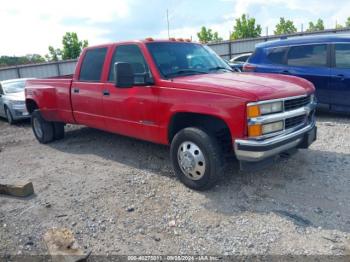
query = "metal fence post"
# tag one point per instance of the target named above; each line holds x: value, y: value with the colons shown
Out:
x: 58, y: 68
x: 229, y: 49
x: 18, y: 72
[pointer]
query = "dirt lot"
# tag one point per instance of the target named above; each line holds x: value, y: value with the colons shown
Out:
x: 119, y: 196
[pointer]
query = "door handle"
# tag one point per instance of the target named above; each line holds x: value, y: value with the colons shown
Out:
x: 105, y: 92
x: 285, y: 72
x: 76, y: 90
x: 341, y: 77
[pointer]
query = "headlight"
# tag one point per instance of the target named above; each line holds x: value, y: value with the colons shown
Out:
x: 14, y: 102
x: 272, y: 127
x: 259, y: 130
x: 270, y: 108
x: 18, y: 105
x: 256, y: 110
x: 260, y: 109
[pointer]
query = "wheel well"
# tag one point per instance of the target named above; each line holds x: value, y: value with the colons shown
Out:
x: 211, y: 124
x: 31, y: 105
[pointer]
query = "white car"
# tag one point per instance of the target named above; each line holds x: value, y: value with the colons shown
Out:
x: 12, y: 100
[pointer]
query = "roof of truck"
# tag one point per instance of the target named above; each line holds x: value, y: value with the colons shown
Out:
x: 145, y: 41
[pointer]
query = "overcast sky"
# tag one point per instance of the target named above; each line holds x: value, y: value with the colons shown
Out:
x: 30, y: 26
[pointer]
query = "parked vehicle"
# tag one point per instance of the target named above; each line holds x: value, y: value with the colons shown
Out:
x: 238, y: 61
x: 12, y: 101
x: 180, y: 94
x: 323, y: 60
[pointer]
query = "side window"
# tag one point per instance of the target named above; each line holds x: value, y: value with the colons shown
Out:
x: 242, y: 59
x: 91, y: 68
x: 276, y: 55
x: 308, y: 55
x: 129, y: 54
x: 342, y: 55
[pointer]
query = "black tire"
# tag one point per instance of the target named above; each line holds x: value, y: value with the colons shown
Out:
x: 46, y: 134
x: 9, y: 116
x: 58, y: 130
x: 209, y: 149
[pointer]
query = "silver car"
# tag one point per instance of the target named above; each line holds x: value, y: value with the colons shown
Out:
x: 12, y: 101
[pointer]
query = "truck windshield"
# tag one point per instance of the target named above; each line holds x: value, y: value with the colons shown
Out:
x: 13, y: 87
x: 179, y: 59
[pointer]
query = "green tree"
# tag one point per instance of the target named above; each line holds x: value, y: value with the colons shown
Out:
x: 347, y: 23
x: 245, y: 27
x: 285, y: 27
x: 207, y: 35
x: 21, y: 60
x: 339, y: 26
x: 318, y: 26
x: 54, y: 54
x: 72, y: 47
x: 35, y: 58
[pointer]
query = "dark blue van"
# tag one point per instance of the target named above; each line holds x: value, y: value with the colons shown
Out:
x: 324, y: 60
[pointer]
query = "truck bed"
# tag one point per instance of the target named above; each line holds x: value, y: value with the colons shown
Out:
x: 54, y: 97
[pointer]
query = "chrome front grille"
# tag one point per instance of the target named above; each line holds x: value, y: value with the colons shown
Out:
x: 295, y: 121
x: 296, y: 103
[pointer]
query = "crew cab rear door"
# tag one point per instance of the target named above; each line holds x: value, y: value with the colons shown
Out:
x: 86, y: 91
x: 312, y: 62
x: 131, y: 111
x: 340, y: 77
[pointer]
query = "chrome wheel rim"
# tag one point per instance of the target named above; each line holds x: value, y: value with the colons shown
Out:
x: 37, y: 127
x: 191, y: 160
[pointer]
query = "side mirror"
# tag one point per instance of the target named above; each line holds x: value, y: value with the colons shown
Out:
x: 124, y: 75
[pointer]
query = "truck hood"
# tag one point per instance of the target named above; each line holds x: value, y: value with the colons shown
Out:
x: 19, y: 96
x: 251, y: 86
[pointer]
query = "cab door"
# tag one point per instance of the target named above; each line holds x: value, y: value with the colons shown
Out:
x: 131, y: 111
x: 86, y: 92
x: 340, y: 77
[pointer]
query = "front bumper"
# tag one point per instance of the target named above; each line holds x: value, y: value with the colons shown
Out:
x: 19, y: 112
x: 255, y: 151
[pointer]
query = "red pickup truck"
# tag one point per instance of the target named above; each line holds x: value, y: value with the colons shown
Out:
x: 181, y: 94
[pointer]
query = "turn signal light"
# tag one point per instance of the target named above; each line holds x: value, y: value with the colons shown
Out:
x: 253, y: 111
x: 254, y: 130
x: 248, y: 68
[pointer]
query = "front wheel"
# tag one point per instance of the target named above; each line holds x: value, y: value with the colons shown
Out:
x: 9, y: 116
x: 42, y: 129
x: 197, y: 158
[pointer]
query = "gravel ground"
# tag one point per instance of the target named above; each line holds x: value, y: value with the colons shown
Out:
x: 119, y: 196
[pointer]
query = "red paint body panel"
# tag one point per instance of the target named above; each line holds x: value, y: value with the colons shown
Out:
x: 145, y: 112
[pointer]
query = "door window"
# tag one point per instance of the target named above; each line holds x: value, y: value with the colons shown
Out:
x: 92, y: 65
x: 129, y: 54
x: 308, y: 55
x: 276, y: 55
x: 342, y: 55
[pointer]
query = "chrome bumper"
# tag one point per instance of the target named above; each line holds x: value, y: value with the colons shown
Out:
x: 254, y: 151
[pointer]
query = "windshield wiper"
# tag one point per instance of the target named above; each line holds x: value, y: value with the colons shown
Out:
x: 186, y: 71
x: 219, y: 68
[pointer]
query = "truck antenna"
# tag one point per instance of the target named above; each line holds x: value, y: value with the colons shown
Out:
x: 167, y: 18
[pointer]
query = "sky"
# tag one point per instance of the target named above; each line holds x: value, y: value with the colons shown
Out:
x: 28, y: 27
